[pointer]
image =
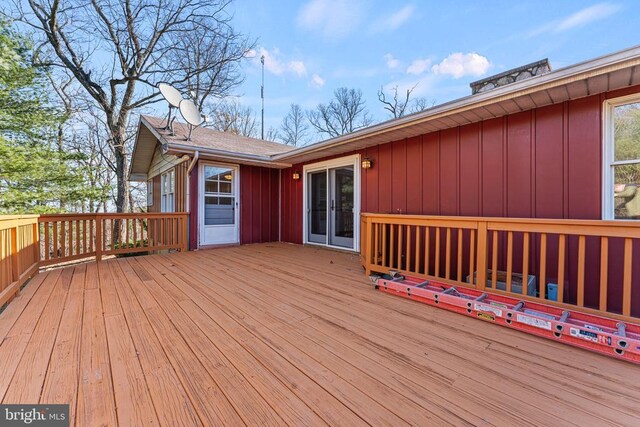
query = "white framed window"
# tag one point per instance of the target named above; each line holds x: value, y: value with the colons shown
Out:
x: 621, y: 173
x: 168, y: 187
x: 150, y: 192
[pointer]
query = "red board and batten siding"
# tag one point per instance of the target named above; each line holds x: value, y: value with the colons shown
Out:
x: 540, y: 163
x: 258, y: 204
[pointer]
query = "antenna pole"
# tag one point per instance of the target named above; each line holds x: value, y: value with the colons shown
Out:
x: 262, y: 96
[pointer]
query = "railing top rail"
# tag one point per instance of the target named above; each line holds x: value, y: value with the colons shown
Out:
x: 11, y: 221
x: 629, y: 224
x: 49, y: 217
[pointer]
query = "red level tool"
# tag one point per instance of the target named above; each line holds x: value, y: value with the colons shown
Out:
x: 595, y: 333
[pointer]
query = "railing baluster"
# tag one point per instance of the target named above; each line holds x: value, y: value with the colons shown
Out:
x: 427, y: 249
x: 383, y: 229
x: 626, y: 280
x: 460, y: 232
x: 543, y: 266
x: 417, y: 261
x: 472, y: 255
x: 604, y: 272
x: 376, y: 241
x: 509, y: 260
x: 581, y: 260
x: 494, y: 261
x: 63, y: 239
x: 447, y: 272
x: 391, y: 244
x: 55, y: 239
x: 437, y: 266
x: 399, y: 255
x: 78, y: 223
x: 525, y: 264
x: 561, y: 257
x: 47, y: 240
x: 407, y: 254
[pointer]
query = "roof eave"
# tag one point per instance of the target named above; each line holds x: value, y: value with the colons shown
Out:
x: 600, y: 65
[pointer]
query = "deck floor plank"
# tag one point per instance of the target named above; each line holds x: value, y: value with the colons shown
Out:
x: 278, y: 334
x: 19, y: 335
x: 62, y: 378
x: 247, y: 402
x: 134, y: 406
x: 96, y: 402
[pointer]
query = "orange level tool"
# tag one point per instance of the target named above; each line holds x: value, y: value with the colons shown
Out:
x: 596, y: 333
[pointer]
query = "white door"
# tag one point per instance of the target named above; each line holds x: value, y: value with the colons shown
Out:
x: 219, y: 208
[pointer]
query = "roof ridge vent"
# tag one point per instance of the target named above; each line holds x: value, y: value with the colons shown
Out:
x: 511, y: 76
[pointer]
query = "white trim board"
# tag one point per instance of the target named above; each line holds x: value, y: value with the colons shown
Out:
x: 608, y: 152
x: 328, y: 164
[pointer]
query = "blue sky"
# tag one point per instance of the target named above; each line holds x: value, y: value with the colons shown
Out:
x: 313, y: 47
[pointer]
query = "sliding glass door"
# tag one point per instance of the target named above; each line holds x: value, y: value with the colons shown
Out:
x: 331, y: 207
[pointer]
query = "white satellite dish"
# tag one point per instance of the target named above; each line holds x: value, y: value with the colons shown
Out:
x: 173, y: 97
x: 191, y: 115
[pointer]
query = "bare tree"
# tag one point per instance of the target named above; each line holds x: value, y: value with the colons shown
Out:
x: 140, y: 37
x: 273, y: 134
x: 395, y: 104
x: 346, y: 113
x: 294, y: 129
x: 231, y: 116
x: 218, y: 56
x: 422, y: 103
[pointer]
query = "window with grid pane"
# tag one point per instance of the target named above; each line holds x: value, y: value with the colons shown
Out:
x: 167, y: 185
x: 622, y: 159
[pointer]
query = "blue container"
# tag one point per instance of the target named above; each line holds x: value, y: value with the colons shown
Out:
x: 552, y: 291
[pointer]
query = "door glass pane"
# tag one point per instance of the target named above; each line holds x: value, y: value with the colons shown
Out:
x: 343, y: 203
x: 218, y: 210
x: 317, y: 207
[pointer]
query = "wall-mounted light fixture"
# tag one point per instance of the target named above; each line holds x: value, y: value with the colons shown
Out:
x: 296, y: 175
x: 367, y: 163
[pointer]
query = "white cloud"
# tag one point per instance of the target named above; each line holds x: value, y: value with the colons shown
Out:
x: 582, y: 17
x: 395, y: 20
x: 462, y: 64
x: 392, y: 62
x: 317, y: 81
x: 588, y: 15
x: 419, y: 66
x: 275, y: 65
x: 298, y: 68
x: 333, y: 19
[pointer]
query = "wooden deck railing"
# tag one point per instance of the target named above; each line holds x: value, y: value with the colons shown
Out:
x: 68, y: 237
x: 19, y: 253
x: 593, y: 265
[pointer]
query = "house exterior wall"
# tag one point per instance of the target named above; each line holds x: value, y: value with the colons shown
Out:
x: 259, y: 213
x: 259, y: 194
x: 180, y: 189
x: 541, y: 163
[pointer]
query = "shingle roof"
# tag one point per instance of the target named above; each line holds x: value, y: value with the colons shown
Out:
x: 209, y: 138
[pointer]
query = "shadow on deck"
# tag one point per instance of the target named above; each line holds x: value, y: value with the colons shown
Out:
x: 277, y: 334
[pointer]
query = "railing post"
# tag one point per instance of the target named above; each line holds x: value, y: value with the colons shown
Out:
x: 481, y: 265
x: 184, y: 233
x: 15, y: 256
x: 367, y: 245
x: 98, y: 238
x: 36, y: 241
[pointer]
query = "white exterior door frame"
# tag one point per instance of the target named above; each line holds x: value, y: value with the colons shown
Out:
x: 353, y: 160
x: 218, y: 234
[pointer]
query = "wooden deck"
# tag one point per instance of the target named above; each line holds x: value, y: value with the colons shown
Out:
x: 277, y: 334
